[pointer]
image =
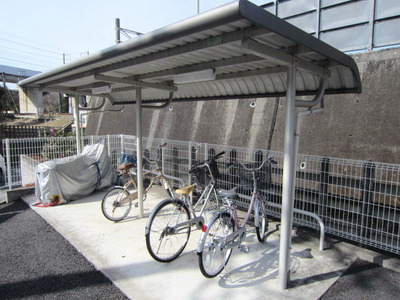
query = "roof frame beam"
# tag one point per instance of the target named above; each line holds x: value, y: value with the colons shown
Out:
x: 209, y: 43
x: 264, y: 71
x: 251, y: 46
x: 207, y: 65
x: 135, y: 83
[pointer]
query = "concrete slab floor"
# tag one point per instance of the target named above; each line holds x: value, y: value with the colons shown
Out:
x: 119, y: 251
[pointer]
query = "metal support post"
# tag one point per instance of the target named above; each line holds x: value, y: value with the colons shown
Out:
x: 121, y: 136
x: 289, y: 172
x: 77, y: 126
x: 163, y: 156
x: 189, y: 167
x: 108, y: 145
x: 9, y: 170
x: 139, y: 151
x: 190, y: 162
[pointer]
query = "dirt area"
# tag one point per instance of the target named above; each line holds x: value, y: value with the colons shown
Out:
x: 57, y: 121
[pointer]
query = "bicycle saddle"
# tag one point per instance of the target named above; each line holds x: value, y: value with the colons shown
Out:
x: 185, y: 190
x: 229, y: 194
x: 126, y: 167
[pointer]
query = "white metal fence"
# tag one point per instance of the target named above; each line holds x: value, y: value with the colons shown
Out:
x: 357, y: 200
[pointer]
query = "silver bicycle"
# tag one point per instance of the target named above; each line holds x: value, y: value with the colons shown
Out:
x: 170, y: 222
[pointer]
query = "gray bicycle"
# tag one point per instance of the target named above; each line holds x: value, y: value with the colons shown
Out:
x: 224, y: 231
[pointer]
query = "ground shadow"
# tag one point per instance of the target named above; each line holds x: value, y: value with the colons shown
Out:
x: 73, y: 284
x: 9, y: 210
x: 256, y: 272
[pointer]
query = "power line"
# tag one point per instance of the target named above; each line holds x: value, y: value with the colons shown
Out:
x: 25, y: 45
x: 14, y: 36
x: 28, y: 63
x: 33, y: 37
x: 31, y: 53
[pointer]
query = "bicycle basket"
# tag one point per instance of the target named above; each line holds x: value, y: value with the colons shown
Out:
x: 200, y: 176
x: 214, y: 169
x: 127, y: 158
x: 263, y: 177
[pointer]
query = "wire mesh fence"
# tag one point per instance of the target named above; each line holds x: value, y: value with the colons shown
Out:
x: 357, y: 200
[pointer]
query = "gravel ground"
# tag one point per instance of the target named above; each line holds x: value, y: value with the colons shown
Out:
x: 364, y: 280
x: 38, y: 263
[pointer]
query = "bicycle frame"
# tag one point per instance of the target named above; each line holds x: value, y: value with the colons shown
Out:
x: 197, y: 220
x: 240, y: 231
x: 160, y: 176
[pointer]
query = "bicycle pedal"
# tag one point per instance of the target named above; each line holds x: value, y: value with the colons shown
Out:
x: 244, y: 249
x: 136, y: 204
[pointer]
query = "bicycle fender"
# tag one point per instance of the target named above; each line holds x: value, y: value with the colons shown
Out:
x: 256, y: 214
x: 202, y: 240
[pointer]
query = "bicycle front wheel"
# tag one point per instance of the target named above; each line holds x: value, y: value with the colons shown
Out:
x: 261, y: 221
x: 213, y: 255
x: 115, y: 204
x: 165, y: 240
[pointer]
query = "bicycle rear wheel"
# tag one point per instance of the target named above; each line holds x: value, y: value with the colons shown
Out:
x: 114, y: 205
x: 262, y: 223
x: 164, y: 241
x: 213, y: 255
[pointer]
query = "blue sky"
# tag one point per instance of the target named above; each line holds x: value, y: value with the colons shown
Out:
x: 38, y: 32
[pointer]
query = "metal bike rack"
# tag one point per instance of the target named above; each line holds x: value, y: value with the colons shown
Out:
x: 303, y: 212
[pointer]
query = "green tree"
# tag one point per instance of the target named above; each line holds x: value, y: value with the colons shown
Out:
x: 8, y: 98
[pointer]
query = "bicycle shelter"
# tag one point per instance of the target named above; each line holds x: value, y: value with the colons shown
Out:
x: 236, y: 51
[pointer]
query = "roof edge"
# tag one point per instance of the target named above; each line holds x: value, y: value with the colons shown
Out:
x: 252, y: 12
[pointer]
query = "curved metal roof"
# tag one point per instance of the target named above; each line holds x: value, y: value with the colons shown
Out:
x: 248, y: 47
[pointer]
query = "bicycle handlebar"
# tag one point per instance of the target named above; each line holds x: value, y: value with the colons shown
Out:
x: 204, y: 163
x: 153, y: 162
x: 270, y: 160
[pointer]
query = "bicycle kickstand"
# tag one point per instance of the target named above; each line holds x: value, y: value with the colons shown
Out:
x: 241, y: 247
x: 244, y: 249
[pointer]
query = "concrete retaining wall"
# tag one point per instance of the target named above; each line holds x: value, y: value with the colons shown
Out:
x: 362, y: 127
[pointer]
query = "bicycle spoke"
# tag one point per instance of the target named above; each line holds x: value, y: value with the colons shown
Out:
x: 214, y: 255
x: 111, y: 204
x: 163, y: 241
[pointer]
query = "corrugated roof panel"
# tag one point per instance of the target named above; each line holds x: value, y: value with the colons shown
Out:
x: 248, y: 47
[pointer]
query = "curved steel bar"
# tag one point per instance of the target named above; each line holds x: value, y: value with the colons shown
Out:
x: 167, y: 103
x: 318, y: 98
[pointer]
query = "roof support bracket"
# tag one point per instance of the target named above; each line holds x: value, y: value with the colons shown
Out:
x: 167, y: 103
x: 318, y: 98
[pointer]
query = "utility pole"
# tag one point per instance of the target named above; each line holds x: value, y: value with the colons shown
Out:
x: 117, y: 31
x: 126, y: 32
